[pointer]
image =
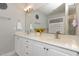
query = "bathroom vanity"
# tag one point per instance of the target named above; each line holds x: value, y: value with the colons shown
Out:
x: 45, y: 45
x: 60, y: 37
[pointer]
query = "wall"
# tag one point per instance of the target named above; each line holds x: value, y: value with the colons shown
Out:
x: 30, y: 19
x: 8, y: 27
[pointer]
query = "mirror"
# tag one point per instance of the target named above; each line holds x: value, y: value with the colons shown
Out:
x: 51, y: 18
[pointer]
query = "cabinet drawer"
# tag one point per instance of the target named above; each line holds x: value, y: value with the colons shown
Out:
x: 32, y: 42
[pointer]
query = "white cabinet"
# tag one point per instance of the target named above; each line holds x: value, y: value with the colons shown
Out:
x: 35, y: 51
x: 29, y: 47
x: 19, y: 45
x: 42, y: 49
x: 38, y: 50
x: 52, y: 50
x: 56, y: 24
x: 32, y: 48
x: 54, y: 27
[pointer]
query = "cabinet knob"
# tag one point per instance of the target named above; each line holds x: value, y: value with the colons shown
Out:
x: 47, y: 49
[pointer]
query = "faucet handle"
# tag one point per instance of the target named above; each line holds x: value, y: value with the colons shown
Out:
x: 58, y: 32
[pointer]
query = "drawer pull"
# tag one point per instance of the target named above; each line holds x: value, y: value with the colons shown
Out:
x: 44, y: 48
x: 47, y: 49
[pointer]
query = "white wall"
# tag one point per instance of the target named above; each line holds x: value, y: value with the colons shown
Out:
x: 7, y: 27
x: 30, y: 19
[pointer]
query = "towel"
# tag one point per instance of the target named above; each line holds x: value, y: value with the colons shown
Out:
x: 19, y: 26
x: 74, y: 23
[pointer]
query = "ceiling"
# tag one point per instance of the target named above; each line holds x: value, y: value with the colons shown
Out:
x: 45, y: 8
x: 60, y: 9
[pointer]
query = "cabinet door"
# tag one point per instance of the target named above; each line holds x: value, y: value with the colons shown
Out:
x: 19, y: 46
x: 57, y: 51
x: 41, y: 49
x: 51, y: 30
x: 38, y: 50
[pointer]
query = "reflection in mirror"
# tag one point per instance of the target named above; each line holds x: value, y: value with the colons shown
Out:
x: 42, y: 10
x: 52, y: 18
x: 56, y: 20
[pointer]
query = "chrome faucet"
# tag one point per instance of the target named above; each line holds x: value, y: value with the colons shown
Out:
x: 57, y: 34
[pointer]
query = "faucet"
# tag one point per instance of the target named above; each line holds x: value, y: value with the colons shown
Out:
x: 57, y: 34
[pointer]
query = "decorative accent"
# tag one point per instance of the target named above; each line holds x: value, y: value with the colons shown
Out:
x: 37, y: 16
x: 74, y: 23
x: 39, y: 30
x: 3, y: 6
x: 19, y: 26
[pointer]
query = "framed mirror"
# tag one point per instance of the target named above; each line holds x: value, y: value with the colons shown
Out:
x: 54, y: 17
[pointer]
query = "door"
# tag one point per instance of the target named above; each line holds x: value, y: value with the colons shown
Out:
x: 37, y: 50
x: 6, y: 35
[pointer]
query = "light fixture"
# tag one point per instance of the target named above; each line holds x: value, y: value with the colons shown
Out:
x: 28, y: 9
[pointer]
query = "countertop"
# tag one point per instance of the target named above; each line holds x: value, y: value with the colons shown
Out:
x: 70, y: 42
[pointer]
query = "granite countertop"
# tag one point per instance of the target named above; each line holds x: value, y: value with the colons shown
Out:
x: 70, y: 42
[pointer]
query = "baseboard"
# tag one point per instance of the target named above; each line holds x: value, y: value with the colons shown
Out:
x: 9, y: 53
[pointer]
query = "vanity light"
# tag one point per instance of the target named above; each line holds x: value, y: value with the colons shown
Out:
x: 28, y: 9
